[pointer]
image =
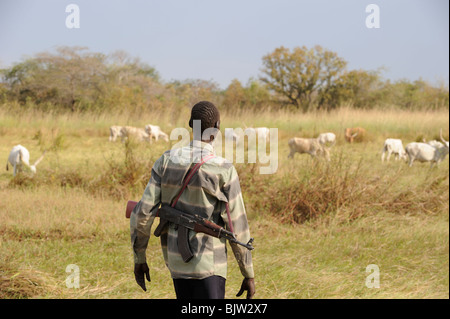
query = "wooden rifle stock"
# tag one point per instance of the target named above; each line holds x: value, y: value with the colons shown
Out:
x: 130, y: 206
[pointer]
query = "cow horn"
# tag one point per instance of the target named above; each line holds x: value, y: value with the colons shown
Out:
x: 442, y: 138
x: 39, y: 159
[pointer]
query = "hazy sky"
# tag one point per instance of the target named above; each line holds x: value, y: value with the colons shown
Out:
x: 222, y: 40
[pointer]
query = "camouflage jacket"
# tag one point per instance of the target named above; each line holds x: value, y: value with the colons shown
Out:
x: 215, y: 184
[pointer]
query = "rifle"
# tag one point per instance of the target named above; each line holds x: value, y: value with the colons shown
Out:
x: 186, y: 221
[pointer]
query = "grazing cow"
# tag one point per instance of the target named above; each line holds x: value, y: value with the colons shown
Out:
x: 262, y: 132
x: 435, y: 143
x: 115, y: 132
x: 393, y: 146
x: 327, y: 139
x: 309, y: 146
x: 424, y: 152
x: 139, y: 133
x: 156, y: 132
x: 19, y: 156
x: 352, y: 133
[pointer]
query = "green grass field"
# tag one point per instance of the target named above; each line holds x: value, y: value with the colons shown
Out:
x: 317, y: 225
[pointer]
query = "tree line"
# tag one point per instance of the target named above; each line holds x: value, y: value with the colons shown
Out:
x: 306, y: 79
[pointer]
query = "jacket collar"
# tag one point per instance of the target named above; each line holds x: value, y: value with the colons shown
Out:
x: 203, y: 146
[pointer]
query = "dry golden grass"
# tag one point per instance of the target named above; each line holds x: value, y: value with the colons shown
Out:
x: 316, y: 225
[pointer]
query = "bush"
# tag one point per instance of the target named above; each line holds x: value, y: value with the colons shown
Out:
x: 339, y: 186
x: 122, y: 179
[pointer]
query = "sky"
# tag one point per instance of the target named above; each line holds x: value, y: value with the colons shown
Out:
x: 225, y: 40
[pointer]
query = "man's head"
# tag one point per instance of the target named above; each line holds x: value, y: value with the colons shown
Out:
x: 207, y: 113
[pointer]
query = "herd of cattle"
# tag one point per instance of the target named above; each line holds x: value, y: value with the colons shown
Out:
x: 431, y: 151
x: 145, y: 134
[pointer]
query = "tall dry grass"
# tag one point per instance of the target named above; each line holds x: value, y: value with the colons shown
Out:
x: 316, y: 224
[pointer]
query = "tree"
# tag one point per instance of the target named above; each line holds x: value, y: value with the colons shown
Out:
x: 234, y: 96
x: 417, y: 95
x: 191, y: 91
x: 64, y: 78
x: 75, y: 79
x: 254, y: 95
x: 303, y: 75
x: 359, y: 87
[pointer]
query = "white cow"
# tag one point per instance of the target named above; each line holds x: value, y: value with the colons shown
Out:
x: 424, y: 152
x: 115, y: 131
x: 393, y: 146
x: 262, y: 132
x: 251, y: 132
x: 309, y: 146
x: 327, y: 139
x: 20, y: 156
x: 156, y: 132
x: 435, y: 143
x: 139, y: 133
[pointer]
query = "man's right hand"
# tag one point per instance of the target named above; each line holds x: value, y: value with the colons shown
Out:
x: 139, y: 271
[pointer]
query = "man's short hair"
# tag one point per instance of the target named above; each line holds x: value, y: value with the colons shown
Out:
x: 207, y: 113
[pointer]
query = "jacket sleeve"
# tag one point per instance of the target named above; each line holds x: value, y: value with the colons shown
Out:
x: 238, y: 223
x: 144, y: 213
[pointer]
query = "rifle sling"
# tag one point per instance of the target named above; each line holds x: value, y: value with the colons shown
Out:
x: 183, y: 233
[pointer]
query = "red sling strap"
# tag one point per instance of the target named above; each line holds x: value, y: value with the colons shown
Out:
x: 164, y: 222
x: 229, y: 218
x: 190, y: 175
x: 188, y: 179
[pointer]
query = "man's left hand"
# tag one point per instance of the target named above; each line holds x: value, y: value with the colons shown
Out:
x: 139, y: 271
x: 248, y: 284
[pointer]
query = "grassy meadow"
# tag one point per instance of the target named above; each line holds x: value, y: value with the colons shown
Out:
x: 317, y: 225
